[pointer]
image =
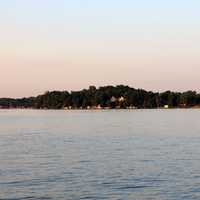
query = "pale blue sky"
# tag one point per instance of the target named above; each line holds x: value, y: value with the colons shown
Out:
x: 61, y: 44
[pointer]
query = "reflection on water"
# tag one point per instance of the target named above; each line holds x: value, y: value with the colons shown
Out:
x: 138, y: 154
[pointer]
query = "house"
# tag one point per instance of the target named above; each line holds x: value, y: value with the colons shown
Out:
x: 113, y: 99
x: 166, y: 106
x: 67, y: 108
x: 98, y: 106
x: 121, y: 99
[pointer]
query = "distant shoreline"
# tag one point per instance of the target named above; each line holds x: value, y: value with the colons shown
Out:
x: 104, y: 98
x: 102, y: 109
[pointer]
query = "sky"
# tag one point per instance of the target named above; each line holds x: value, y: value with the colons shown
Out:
x: 70, y: 45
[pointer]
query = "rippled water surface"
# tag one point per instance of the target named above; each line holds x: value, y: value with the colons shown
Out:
x: 130, y: 154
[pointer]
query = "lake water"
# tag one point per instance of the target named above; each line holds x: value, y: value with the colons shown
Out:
x: 116, y: 154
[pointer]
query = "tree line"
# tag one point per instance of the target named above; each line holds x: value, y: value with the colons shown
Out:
x: 106, y: 97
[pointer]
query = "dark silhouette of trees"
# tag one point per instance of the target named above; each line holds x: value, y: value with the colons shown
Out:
x: 105, y: 97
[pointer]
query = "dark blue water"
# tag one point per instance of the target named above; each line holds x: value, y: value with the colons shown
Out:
x: 136, y: 154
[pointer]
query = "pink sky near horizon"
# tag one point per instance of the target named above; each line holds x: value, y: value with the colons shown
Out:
x: 72, y: 53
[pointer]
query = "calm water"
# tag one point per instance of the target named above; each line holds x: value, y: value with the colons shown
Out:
x: 138, y: 154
